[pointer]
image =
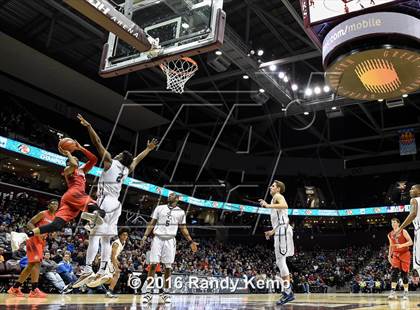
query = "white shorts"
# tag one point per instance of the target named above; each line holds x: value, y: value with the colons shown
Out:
x: 416, y: 251
x: 112, y: 206
x: 163, y: 251
x: 283, y: 241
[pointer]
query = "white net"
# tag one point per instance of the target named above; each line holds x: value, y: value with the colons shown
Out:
x: 178, y: 72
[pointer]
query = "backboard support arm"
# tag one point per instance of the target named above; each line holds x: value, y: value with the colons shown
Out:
x: 128, y: 8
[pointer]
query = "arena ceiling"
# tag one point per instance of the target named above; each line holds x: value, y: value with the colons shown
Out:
x: 365, y: 134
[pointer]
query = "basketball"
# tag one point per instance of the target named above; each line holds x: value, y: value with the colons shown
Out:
x: 67, y: 144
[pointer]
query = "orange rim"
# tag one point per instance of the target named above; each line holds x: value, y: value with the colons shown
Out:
x: 187, y: 59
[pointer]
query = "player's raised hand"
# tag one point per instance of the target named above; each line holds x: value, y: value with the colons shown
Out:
x: 83, y: 121
x: 194, y: 247
x: 151, y: 145
x: 263, y: 203
x: 78, y: 146
x: 269, y: 233
x: 64, y: 152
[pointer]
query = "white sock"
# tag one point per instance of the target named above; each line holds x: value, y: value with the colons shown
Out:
x: 92, y: 250
x: 106, y: 250
x: 287, y: 287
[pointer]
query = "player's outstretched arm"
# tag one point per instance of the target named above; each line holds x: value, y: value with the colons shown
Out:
x: 279, y: 203
x: 184, y: 231
x: 103, y: 153
x: 32, y: 222
x: 390, y: 250
x: 148, y: 231
x: 269, y: 234
x: 408, y: 238
x: 410, y: 217
x: 92, y: 159
x: 151, y: 145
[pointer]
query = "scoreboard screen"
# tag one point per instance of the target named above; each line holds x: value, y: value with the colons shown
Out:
x: 320, y: 10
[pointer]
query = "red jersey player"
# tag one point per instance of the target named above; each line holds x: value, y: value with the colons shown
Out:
x: 399, y: 256
x: 74, y: 200
x: 35, y: 252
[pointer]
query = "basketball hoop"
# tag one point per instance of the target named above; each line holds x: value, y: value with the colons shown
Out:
x: 178, y: 72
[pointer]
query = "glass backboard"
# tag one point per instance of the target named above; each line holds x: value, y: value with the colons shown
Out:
x: 181, y: 27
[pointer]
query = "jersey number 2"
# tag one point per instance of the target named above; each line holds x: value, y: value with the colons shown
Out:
x: 119, y: 178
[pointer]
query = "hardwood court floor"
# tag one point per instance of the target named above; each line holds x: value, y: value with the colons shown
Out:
x: 210, y: 302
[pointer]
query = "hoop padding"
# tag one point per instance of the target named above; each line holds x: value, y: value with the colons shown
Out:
x: 178, y: 72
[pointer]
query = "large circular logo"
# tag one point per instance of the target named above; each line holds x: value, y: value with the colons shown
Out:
x: 376, y: 74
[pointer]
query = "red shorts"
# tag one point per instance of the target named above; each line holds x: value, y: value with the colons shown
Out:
x: 72, y: 203
x: 158, y: 269
x: 401, y: 260
x: 35, y: 249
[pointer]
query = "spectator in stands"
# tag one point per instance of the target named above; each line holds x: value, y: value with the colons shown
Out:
x: 2, y: 260
x: 65, y: 269
x: 23, y: 262
x: 370, y: 284
x: 48, y: 269
x: 378, y: 286
x: 20, y: 253
x: 355, y: 285
x: 305, y: 284
x: 58, y: 256
x: 362, y: 286
x: 415, y: 280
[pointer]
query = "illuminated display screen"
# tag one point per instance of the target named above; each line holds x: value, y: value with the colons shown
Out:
x: 320, y: 10
x: 53, y: 158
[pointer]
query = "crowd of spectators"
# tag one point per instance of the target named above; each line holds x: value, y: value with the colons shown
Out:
x: 18, y: 123
x: 363, y: 269
x: 375, y: 276
x: 29, y: 182
x: 316, y: 270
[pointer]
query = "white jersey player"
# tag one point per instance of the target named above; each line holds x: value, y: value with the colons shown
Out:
x: 115, y: 170
x: 113, y: 268
x: 283, y: 236
x: 414, y: 217
x: 165, y: 222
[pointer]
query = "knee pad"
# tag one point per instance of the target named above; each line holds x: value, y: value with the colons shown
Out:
x: 395, y: 275
x: 405, y: 277
x: 101, y: 213
x: 92, y: 206
x: 56, y: 225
